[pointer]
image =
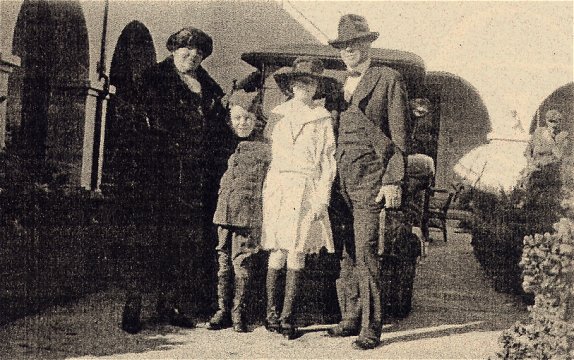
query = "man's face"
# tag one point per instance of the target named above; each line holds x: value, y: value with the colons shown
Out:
x: 187, y: 60
x: 355, y: 52
x: 553, y: 124
x: 242, y: 121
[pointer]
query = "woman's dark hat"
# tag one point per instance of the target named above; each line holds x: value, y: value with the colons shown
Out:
x: 352, y: 27
x: 192, y: 38
x: 304, y: 66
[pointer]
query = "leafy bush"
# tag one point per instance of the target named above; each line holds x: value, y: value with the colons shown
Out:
x: 547, y: 264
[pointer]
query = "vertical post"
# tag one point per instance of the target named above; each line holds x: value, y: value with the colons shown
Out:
x: 7, y: 65
x: 99, y: 121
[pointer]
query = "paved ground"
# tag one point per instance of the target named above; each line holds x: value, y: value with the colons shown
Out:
x: 456, y: 315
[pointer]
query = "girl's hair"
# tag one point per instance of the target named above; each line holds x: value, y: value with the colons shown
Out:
x: 319, y: 91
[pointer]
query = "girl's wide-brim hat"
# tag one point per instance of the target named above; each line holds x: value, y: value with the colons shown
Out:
x: 305, y: 66
x: 190, y: 37
x: 351, y: 28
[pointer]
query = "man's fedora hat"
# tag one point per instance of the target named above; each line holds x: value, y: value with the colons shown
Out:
x: 304, y: 66
x: 352, y: 27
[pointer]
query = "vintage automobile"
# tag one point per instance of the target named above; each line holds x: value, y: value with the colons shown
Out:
x: 398, y: 262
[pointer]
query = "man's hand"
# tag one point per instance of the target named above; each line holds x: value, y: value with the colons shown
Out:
x: 391, y: 194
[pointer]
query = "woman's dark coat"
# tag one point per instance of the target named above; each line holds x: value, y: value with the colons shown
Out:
x: 184, y: 142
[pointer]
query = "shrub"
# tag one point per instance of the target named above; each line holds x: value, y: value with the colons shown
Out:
x: 547, y: 265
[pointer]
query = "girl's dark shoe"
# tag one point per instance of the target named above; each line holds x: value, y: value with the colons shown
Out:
x: 240, y: 327
x: 273, y: 324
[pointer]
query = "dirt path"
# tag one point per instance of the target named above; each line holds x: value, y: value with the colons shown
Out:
x: 456, y: 315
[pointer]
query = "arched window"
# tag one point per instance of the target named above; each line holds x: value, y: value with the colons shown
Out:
x: 464, y: 122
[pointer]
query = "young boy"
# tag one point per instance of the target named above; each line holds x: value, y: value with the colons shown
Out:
x: 238, y: 213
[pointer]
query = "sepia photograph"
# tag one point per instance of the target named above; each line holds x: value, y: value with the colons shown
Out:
x: 286, y: 179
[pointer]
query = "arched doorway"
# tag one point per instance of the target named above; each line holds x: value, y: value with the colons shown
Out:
x: 464, y: 122
x: 46, y: 101
x: 562, y: 99
x: 134, y: 52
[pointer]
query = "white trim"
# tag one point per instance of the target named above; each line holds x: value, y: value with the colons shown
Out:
x: 307, y: 24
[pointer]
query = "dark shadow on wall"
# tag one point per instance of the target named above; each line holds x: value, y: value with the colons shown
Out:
x: 464, y: 122
x: 134, y: 52
x: 562, y: 99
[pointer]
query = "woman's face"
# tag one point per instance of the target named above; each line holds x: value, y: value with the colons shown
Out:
x: 187, y: 60
x: 304, y: 88
x: 242, y: 121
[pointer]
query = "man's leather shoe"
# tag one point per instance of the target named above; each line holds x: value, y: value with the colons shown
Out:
x: 290, y: 332
x: 177, y: 318
x: 366, y: 344
x: 131, y: 322
x: 340, y: 331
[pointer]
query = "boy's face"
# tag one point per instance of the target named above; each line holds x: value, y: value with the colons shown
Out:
x: 242, y: 121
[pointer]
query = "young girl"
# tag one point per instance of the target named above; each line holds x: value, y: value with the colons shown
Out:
x: 297, y: 188
x: 238, y: 213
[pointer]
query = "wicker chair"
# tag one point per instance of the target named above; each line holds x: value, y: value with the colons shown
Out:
x: 439, y: 201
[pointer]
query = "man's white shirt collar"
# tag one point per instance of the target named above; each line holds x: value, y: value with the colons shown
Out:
x: 362, y: 67
x: 352, y: 82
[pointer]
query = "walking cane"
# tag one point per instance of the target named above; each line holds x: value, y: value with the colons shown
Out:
x: 382, y: 225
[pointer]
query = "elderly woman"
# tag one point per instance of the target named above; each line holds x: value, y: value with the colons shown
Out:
x: 182, y: 143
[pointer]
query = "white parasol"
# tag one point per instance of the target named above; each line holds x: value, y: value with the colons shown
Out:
x: 497, y: 165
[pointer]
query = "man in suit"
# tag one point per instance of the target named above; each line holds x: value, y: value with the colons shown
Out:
x: 372, y: 137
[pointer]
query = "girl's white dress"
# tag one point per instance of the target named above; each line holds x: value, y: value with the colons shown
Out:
x: 300, y: 176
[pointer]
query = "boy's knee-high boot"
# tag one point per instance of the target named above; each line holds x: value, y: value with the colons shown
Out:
x: 238, y: 311
x: 292, y: 284
x: 272, y: 322
x: 222, y: 318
